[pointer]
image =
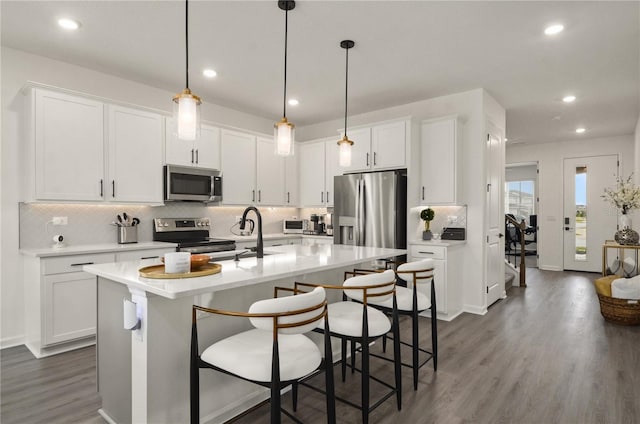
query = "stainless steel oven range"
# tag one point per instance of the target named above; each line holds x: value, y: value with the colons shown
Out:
x: 191, y: 234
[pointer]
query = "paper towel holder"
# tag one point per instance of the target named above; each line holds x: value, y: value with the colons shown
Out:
x: 130, y: 315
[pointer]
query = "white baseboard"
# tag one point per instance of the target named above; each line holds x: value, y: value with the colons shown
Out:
x: 441, y: 316
x: 106, y: 417
x: 550, y: 267
x: 478, y: 310
x: 235, y: 408
x: 11, y: 342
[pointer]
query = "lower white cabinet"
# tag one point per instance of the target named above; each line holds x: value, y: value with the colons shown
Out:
x: 61, y: 299
x: 447, y: 273
x: 310, y: 241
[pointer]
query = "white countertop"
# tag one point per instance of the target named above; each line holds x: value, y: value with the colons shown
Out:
x: 95, y: 248
x: 272, y: 236
x: 443, y: 243
x: 283, y: 261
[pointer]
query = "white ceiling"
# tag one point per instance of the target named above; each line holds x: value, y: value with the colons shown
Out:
x: 405, y: 51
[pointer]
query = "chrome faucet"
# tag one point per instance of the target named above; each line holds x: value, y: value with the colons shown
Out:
x: 259, y: 249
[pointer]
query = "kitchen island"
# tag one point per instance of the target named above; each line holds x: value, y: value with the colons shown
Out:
x: 143, y: 375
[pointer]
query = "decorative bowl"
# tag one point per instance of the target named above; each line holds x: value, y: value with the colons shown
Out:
x: 198, y: 261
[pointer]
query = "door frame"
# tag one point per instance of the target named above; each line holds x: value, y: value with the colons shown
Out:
x: 494, y: 131
x: 536, y: 195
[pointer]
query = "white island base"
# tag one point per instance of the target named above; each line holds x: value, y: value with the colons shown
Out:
x: 143, y: 375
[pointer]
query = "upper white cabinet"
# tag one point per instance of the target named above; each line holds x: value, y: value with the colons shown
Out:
x: 83, y: 149
x: 439, y: 161
x: 238, y: 168
x: 291, y: 180
x: 380, y: 146
x: 135, y: 155
x: 319, y: 164
x: 270, y: 174
x: 204, y: 152
x: 69, y: 147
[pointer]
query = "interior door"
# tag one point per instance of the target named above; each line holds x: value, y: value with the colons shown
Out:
x: 494, y: 217
x: 588, y: 221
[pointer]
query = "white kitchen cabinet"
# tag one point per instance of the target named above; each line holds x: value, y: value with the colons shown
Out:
x: 136, y: 255
x: 83, y: 149
x: 378, y: 146
x: 447, y: 261
x: 312, y: 174
x: 61, y: 302
x: 291, y: 180
x: 135, y: 155
x: 318, y: 166
x: 310, y: 241
x: 68, y: 149
x: 439, y: 162
x: 238, y: 168
x: 270, y: 174
x: 203, y: 153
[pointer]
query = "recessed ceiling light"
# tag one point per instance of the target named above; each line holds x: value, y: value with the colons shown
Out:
x: 554, y: 29
x: 293, y: 102
x: 580, y: 130
x: 209, y: 73
x: 506, y: 139
x: 569, y: 99
x: 69, y: 24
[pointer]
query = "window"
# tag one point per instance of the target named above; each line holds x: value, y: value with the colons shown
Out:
x: 519, y: 199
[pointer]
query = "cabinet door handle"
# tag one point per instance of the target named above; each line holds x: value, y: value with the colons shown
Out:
x: 83, y: 263
x: 113, y: 188
x: 327, y: 197
x: 422, y: 192
x: 322, y: 197
x: 374, y: 158
x: 191, y: 155
x: 427, y: 253
x: 259, y: 195
x: 288, y: 197
x: 253, y: 195
x: 150, y: 257
x: 101, y: 188
x: 274, y: 245
x: 197, y: 156
x: 367, y: 159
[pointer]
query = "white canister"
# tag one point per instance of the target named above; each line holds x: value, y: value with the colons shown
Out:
x: 177, y: 262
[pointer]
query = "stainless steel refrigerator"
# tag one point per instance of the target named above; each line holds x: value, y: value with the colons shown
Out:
x: 370, y: 209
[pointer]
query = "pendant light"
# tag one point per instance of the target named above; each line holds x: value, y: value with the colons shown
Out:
x: 345, y: 144
x: 186, y: 105
x: 284, y: 131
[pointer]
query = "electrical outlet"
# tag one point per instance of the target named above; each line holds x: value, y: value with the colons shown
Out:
x: 59, y: 220
x: 452, y: 219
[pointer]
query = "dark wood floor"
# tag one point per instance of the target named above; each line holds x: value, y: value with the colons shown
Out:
x: 543, y: 355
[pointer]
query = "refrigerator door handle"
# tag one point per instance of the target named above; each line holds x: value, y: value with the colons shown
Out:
x: 360, y: 214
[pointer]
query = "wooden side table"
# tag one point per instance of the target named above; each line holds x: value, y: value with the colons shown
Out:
x: 625, y: 263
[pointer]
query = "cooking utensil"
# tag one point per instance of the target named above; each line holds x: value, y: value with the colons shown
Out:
x: 126, y: 218
x: 120, y: 220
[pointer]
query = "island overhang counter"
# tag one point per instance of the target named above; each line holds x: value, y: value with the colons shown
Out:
x: 143, y: 375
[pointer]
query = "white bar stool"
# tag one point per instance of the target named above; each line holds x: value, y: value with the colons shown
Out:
x: 274, y: 354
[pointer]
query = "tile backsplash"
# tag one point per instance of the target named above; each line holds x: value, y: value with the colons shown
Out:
x: 91, y: 224
x: 443, y: 217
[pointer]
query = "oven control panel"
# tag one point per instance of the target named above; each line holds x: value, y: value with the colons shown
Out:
x: 162, y: 225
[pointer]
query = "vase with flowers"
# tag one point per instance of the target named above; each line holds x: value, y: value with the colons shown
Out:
x: 626, y: 197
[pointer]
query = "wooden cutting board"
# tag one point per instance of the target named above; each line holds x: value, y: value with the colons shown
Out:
x: 157, y: 271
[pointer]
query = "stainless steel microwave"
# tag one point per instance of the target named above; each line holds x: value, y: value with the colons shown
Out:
x: 294, y: 226
x: 184, y: 183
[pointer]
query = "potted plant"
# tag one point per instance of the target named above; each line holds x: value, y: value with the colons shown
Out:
x: 427, y: 216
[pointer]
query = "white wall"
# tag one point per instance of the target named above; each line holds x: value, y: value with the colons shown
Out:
x: 550, y: 158
x: 636, y: 146
x: 16, y: 69
x: 473, y: 108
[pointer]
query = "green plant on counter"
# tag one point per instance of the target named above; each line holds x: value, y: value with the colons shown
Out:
x: 427, y: 216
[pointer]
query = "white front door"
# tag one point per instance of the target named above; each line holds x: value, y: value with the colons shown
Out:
x: 588, y: 219
x: 495, y: 217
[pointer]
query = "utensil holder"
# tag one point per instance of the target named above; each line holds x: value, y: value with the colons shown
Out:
x: 127, y: 235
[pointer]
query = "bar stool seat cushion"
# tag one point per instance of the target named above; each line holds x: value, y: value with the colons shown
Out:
x: 404, y: 297
x: 248, y: 355
x: 345, y: 318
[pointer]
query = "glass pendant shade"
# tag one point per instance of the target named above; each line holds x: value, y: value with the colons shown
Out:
x: 284, y: 134
x: 186, y: 113
x: 344, y: 151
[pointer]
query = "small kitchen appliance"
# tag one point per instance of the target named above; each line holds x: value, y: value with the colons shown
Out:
x: 191, y: 234
x: 184, y: 183
x: 294, y: 226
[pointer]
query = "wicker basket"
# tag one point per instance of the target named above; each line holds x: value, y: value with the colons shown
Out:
x: 620, y: 311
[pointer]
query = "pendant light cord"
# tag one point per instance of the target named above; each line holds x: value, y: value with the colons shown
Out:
x: 186, y: 18
x: 346, y: 87
x: 286, y: 30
